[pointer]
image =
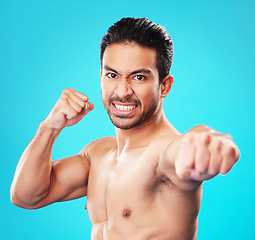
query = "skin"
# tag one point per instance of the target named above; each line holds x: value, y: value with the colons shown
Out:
x: 147, y: 181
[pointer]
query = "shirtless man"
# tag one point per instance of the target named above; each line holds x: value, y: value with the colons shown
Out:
x: 145, y: 183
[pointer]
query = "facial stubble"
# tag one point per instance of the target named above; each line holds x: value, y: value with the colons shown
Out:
x: 128, y: 122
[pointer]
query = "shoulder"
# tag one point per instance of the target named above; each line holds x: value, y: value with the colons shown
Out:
x: 99, y: 147
x: 162, y: 142
x: 165, y: 135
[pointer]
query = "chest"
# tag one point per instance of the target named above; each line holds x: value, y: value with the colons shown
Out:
x: 118, y: 184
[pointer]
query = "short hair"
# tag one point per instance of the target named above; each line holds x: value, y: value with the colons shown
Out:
x: 145, y: 33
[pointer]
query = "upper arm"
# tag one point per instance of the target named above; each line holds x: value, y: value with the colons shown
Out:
x: 68, y: 180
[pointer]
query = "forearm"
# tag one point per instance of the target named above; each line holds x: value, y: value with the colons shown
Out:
x: 32, y: 177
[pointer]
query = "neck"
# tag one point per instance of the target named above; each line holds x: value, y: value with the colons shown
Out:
x: 143, y: 134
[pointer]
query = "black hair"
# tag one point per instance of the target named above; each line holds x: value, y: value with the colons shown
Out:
x: 145, y: 33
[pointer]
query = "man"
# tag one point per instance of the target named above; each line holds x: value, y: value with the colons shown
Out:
x: 145, y: 183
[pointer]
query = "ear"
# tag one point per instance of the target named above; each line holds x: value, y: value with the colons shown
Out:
x: 166, y: 85
x: 100, y: 76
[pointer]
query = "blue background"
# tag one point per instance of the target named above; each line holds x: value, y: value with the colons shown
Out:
x: 46, y: 46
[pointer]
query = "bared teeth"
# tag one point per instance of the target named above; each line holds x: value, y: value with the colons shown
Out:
x: 124, y: 108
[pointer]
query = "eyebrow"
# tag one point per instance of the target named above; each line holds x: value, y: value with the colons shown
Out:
x: 141, y: 70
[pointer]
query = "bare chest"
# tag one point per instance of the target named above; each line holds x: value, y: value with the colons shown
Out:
x: 127, y: 195
x: 120, y: 188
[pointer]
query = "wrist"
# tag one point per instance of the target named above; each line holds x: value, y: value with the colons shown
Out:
x: 46, y: 126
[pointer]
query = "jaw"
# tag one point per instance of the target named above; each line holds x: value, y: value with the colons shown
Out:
x: 124, y: 116
x: 132, y: 116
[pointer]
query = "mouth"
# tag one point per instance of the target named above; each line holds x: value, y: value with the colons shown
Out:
x: 126, y: 109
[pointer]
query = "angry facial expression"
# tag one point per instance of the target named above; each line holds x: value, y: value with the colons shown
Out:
x: 130, y: 84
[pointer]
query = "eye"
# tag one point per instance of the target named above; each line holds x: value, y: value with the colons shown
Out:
x: 139, y: 77
x: 111, y: 75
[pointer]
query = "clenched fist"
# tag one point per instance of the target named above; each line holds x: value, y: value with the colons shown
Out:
x: 71, y: 107
x: 204, y: 154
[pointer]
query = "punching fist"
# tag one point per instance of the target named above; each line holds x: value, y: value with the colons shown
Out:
x: 71, y: 107
x: 204, y: 153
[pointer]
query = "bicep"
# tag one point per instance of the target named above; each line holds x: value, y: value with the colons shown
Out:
x: 68, y: 180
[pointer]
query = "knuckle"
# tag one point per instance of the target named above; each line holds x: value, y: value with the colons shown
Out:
x: 67, y: 91
x: 205, y: 138
x: 64, y: 94
x: 226, y: 166
x: 180, y: 170
x: 63, y: 101
x: 180, y: 173
x: 230, y: 151
x: 217, y: 144
x: 214, y: 169
x: 223, y: 171
x: 228, y: 136
x: 238, y: 153
x: 79, y: 109
x: 83, y: 104
x: 72, y: 114
x: 213, y: 172
x: 201, y: 167
x: 189, y: 138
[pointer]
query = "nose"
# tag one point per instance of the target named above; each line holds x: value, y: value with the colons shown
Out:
x: 123, y: 88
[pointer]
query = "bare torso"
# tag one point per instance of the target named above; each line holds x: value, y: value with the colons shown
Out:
x: 145, y: 183
x: 128, y: 196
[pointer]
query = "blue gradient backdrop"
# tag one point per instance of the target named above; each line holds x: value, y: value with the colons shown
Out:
x: 46, y: 46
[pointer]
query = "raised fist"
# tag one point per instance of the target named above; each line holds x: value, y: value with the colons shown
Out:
x: 70, y: 108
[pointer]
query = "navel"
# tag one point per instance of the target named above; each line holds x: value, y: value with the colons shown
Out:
x: 126, y: 212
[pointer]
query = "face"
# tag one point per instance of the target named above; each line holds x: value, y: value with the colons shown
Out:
x: 130, y: 84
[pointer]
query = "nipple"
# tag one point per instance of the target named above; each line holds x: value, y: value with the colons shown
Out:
x: 126, y: 212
